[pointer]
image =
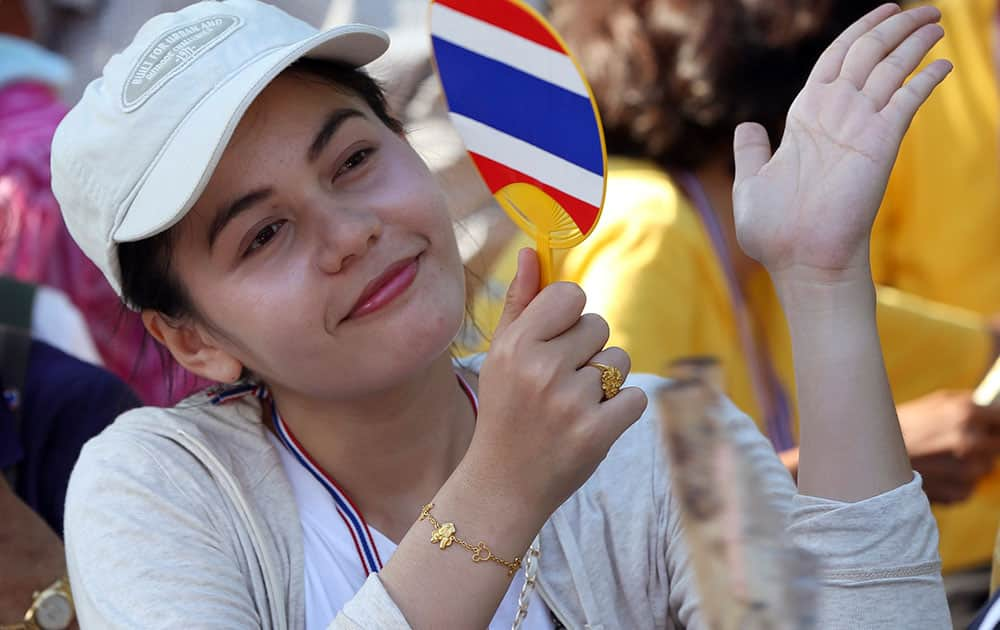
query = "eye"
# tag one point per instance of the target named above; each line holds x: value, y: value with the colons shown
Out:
x: 357, y: 159
x: 264, y: 236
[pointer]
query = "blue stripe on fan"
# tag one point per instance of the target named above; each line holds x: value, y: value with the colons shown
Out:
x: 521, y: 105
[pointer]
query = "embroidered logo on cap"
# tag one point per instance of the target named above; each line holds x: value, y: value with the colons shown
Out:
x: 169, y: 55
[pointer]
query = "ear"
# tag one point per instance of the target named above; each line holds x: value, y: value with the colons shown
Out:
x: 197, y: 351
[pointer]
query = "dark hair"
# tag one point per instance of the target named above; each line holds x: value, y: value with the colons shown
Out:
x: 148, y: 281
x: 673, y: 78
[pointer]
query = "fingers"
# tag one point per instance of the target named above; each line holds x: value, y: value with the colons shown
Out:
x: 548, y: 313
x: 751, y: 150
x: 907, y: 100
x: 828, y: 67
x: 621, y: 412
x: 555, y: 310
x: 981, y: 437
x: 582, y: 341
x: 946, y: 492
x: 591, y: 375
x: 522, y: 290
x: 878, y: 43
x: 987, y: 416
x: 948, y: 478
x: 889, y: 74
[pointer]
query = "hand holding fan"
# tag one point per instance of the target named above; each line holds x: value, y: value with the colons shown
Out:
x: 526, y: 115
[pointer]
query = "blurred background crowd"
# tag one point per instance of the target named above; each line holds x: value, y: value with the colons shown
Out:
x: 672, y: 79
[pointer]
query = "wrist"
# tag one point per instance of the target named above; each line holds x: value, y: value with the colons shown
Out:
x: 486, y: 505
x: 815, y: 292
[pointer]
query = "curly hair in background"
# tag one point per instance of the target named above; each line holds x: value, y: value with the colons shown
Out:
x: 673, y: 78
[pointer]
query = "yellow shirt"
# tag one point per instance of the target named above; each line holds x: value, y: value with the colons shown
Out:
x: 649, y: 268
x: 938, y: 233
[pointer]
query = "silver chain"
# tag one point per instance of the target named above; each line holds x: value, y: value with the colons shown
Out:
x: 531, y: 562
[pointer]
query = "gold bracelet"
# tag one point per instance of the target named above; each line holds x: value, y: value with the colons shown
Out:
x: 444, y: 537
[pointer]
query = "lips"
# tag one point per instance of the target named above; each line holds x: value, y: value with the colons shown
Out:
x: 383, y: 290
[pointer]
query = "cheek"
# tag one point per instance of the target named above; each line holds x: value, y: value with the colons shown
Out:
x: 420, y: 204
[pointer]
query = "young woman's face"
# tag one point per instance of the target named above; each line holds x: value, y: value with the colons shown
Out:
x: 321, y: 254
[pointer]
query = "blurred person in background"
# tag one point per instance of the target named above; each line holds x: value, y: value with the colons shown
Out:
x: 663, y: 266
x: 34, y: 244
x: 938, y: 233
x: 51, y: 404
x: 54, y: 395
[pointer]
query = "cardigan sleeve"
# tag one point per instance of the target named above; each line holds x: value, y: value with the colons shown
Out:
x: 878, y: 560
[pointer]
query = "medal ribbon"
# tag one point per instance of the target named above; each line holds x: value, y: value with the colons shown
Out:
x: 770, y: 394
x: 355, y: 522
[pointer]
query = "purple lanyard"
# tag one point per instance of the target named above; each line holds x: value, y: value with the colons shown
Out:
x: 770, y: 394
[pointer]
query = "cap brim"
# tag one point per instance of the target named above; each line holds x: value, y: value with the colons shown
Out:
x: 184, y: 167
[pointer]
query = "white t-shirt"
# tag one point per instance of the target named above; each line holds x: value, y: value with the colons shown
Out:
x: 57, y: 322
x: 333, y: 571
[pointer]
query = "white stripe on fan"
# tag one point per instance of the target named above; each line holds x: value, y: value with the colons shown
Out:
x: 527, y: 158
x: 495, y: 43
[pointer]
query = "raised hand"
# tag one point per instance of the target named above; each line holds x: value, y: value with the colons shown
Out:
x: 810, y: 206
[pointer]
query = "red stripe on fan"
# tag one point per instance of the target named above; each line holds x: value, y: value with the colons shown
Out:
x: 508, y: 16
x: 497, y: 176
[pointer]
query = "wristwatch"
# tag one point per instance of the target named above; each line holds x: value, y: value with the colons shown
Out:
x: 51, y: 609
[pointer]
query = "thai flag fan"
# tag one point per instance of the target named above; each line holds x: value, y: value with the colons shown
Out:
x: 527, y: 117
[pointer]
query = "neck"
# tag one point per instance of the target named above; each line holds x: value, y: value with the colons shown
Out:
x: 391, y: 450
x: 716, y: 178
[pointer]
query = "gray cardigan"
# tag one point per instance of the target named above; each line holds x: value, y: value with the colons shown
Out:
x: 183, y: 518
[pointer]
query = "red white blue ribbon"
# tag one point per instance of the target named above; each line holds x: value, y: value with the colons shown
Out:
x: 353, y: 519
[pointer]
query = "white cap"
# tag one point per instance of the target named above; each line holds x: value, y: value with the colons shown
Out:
x: 136, y: 152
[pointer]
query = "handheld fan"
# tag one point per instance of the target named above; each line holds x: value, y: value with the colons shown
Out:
x: 526, y: 115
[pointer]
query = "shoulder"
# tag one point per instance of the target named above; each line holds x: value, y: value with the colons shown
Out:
x: 646, y: 222
x: 641, y: 191
x: 159, y: 447
x: 54, y: 377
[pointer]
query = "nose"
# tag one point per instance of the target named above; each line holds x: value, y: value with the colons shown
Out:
x: 344, y: 236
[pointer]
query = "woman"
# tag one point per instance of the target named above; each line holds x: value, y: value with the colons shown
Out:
x: 278, y: 234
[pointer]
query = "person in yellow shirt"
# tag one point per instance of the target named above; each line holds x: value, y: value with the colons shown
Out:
x: 938, y: 232
x: 664, y: 268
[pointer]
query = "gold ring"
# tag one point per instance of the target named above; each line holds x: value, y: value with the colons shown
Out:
x: 611, y: 379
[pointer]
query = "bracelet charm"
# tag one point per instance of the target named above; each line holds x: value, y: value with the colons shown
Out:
x: 444, y: 536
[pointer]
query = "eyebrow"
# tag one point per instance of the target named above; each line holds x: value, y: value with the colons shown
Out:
x: 244, y: 203
x: 233, y: 210
x: 329, y: 128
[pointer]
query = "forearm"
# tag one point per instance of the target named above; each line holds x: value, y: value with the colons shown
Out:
x: 32, y: 555
x: 437, y: 588
x: 851, y: 444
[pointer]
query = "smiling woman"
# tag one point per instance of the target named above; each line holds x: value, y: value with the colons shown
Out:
x: 266, y: 214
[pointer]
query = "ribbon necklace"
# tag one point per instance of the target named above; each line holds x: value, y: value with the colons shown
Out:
x: 768, y: 390
x: 355, y: 522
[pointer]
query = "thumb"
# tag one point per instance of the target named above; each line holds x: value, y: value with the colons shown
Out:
x: 751, y: 150
x: 523, y: 288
